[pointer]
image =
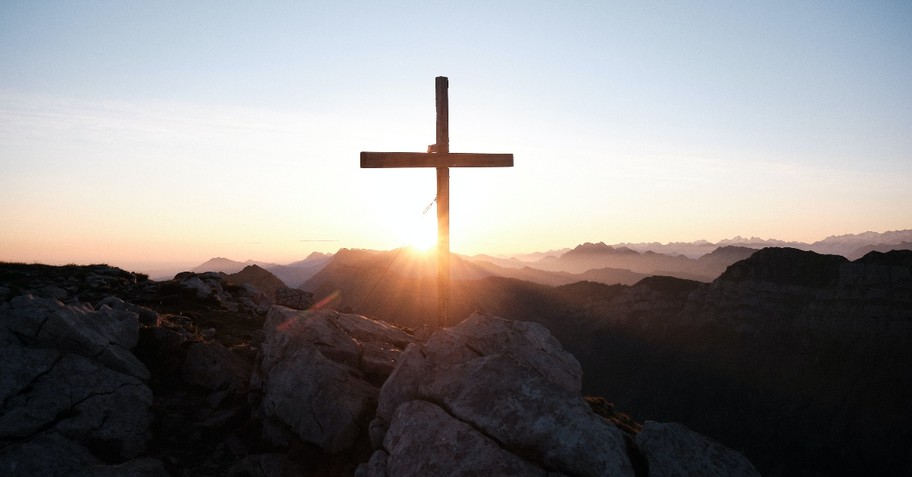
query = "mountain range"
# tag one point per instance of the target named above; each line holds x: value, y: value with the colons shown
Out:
x: 624, y: 263
x: 293, y: 274
x: 851, y: 246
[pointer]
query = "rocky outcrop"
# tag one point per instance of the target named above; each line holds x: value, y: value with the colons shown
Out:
x: 425, y: 440
x: 213, y: 366
x: 106, y: 335
x: 492, y: 396
x: 87, y: 284
x: 259, y: 278
x: 319, y: 373
x: 294, y: 298
x: 69, y: 380
x: 123, y: 387
x: 136, y: 384
x: 224, y: 293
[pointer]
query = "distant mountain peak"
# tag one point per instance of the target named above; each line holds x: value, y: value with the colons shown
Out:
x: 253, y: 268
x: 221, y: 264
x: 599, y: 248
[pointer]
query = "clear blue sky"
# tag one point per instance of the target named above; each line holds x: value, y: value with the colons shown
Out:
x: 141, y: 132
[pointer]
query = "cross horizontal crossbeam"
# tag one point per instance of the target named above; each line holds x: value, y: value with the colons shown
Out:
x: 433, y: 159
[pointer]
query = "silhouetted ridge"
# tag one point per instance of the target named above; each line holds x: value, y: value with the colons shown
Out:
x: 259, y: 277
x: 586, y: 290
x: 728, y: 251
x: 787, y: 266
x: 667, y: 284
x: 899, y: 258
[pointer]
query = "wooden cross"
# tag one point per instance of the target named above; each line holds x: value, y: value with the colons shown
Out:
x: 440, y: 157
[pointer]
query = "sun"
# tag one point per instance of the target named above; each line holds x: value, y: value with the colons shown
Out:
x: 423, y: 237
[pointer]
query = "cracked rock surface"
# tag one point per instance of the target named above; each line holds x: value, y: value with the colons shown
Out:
x: 318, y: 372
x: 69, y: 381
x: 496, y: 387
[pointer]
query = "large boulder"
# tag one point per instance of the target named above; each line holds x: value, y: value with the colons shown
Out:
x: 421, y: 429
x: 106, y: 335
x: 492, y: 383
x: 101, y: 408
x: 318, y: 372
x: 146, y: 316
x: 69, y: 381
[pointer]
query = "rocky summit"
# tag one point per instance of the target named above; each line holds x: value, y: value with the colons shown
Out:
x: 104, y: 372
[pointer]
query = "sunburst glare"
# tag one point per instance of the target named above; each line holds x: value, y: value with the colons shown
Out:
x: 422, y: 236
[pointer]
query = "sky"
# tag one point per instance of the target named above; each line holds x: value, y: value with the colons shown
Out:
x: 153, y: 134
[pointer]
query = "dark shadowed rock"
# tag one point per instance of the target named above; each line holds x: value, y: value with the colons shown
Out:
x: 293, y: 298
x: 265, y: 465
x: 49, y: 454
x: 671, y: 449
x: 79, y: 399
x: 215, y: 367
x: 142, y: 467
x: 68, y: 380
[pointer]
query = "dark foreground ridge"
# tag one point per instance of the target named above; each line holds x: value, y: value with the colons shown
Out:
x: 104, y: 372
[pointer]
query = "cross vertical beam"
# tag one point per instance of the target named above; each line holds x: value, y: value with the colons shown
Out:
x: 439, y: 157
x: 443, y: 203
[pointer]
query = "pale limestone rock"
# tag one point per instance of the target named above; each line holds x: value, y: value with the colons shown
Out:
x: 316, y: 370
x: 106, y: 335
x: 421, y: 430
x: 511, y: 383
